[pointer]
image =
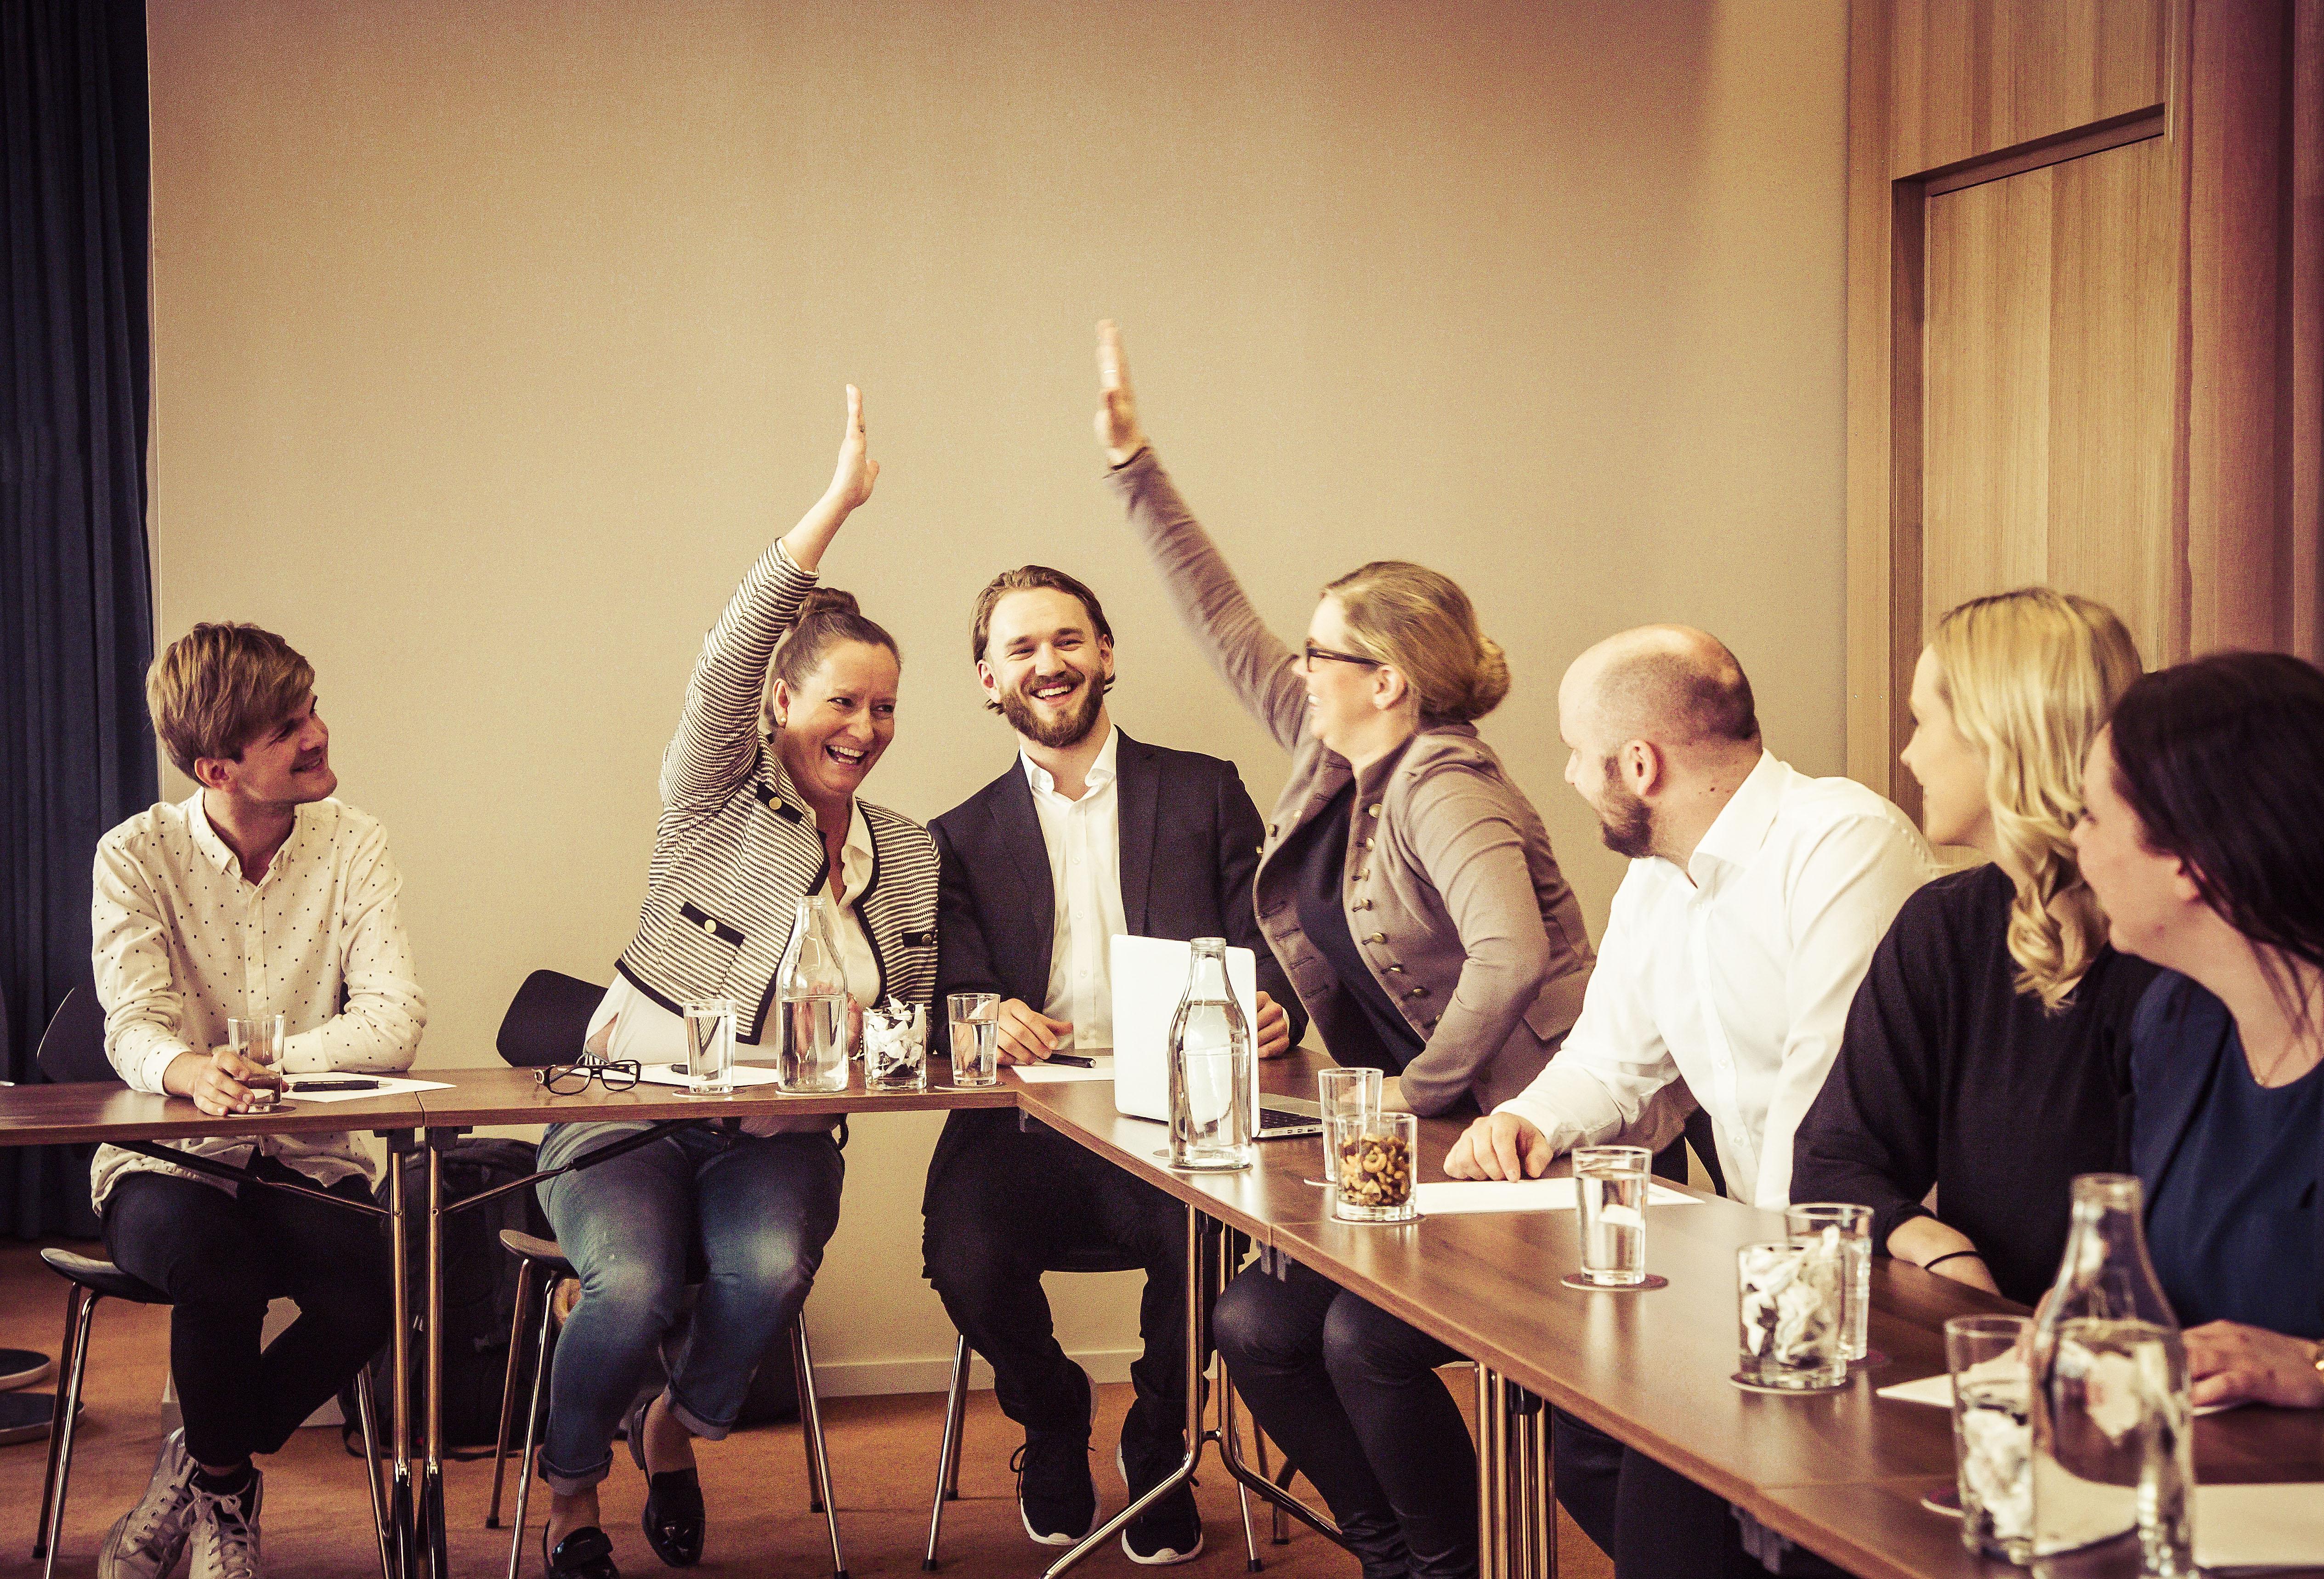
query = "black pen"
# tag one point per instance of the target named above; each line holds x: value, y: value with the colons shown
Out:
x: 305, y: 1085
x: 1075, y: 1059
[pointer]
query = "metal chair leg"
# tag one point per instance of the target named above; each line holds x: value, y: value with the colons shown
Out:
x: 818, y: 1455
x: 525, y: 1463
x: 948, y: 1450
x: 1282, y: 1532
x: 367, y: 1418
x: 508, y: 1389
x: 60, y: 1433
x: 1230, y: 1442
x: 57, y: 1418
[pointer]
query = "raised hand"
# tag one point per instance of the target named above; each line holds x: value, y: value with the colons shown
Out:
x: 1117, y: 409
x: 851, y: 481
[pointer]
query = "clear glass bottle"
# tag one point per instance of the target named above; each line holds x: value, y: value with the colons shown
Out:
x: 811, y: 987
x: 1213, y: 1069
x: 2113, y: 1429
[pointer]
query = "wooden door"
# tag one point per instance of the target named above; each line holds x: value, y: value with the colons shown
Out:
x: 2083, y: 312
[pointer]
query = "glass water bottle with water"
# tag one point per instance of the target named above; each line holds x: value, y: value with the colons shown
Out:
x: 1212, y: 1068
x: 811, y: 988
x: 2112, y: 1449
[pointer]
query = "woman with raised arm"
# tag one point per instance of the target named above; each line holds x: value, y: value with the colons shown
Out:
x: 790, y: 706
x: 1408, y: 887
x: 2203, y: 836
x: 1988, y: 1051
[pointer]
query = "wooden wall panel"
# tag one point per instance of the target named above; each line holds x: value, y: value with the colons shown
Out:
x: 1968, y: 78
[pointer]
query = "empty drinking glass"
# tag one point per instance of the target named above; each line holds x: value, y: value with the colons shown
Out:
x: 1352, y: 1093
x: 1993, y: 1440
x: 1610, y: 1185
x: 1809, y: 1218
x: 257, y: 1040
x: 975, y: 1038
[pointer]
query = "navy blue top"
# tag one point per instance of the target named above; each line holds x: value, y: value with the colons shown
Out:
x: 2231, y: 1168
x: 1319, y: 847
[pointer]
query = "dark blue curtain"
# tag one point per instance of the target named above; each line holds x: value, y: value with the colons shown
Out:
x: 77, y: 755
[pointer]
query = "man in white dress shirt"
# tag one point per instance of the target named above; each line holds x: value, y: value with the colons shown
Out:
x: 1754, y: 900
x: 1088, y: 834
x: 257, y: 895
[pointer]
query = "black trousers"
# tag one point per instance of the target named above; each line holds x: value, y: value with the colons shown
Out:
x: 1652, y: 1521
x: 1353, y: 1396
x: 1011, y: 1206
x: 220, y: 1258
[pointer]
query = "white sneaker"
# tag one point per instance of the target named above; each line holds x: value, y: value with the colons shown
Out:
x: 225, y: 1534
x: 146, y: 1542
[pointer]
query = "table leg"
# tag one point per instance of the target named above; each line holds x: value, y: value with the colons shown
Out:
x: 431, y: 1485
x: 400, y: 1503
x: 1544, y: 1495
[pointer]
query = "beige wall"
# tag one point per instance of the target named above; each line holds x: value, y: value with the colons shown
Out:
x: 494, y: 339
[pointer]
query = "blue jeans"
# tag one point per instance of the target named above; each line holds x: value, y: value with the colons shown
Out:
x: 759, y: 1211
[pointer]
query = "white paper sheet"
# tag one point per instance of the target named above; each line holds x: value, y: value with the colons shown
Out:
x: 1532, y: 1195
x: 1938, y: 1390
x: 2256, y: 1527
x: 1059, y: 1074
x: 389, y: 1086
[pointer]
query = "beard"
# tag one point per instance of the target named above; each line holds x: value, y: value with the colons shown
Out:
x: 1067, y: 729
x: 1624, y: 822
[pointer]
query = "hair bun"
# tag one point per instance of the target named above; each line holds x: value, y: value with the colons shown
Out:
x: 827, y: 600
x: 1491, y: 682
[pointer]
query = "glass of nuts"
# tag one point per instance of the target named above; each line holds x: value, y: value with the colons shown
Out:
x: 1375, y: 1157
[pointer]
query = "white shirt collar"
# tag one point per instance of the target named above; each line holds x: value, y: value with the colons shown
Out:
x: 1101, y: 771
x: 1737, y: 833
x: 220, y: 854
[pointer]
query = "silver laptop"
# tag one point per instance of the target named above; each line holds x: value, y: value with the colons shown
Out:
x: 1149, y: 977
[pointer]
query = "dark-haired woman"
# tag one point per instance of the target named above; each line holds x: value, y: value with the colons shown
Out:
x: 2204, y: 840
x: 1408, y: 888
x: 790, y: 706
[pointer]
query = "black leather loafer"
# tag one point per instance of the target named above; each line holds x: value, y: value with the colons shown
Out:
x: 586, y: 1552
x: 673, y: 1518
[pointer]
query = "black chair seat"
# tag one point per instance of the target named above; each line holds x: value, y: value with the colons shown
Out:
x: 102, y: 1277
x: 21, y: 1368
x: 1093, y: 1258
x: 531, y: 1247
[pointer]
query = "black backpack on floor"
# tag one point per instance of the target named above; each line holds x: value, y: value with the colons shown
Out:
x: 479, y: 1293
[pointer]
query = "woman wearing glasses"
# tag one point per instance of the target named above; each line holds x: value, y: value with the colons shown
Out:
x: 791, y: 705
x: 1408, y: 889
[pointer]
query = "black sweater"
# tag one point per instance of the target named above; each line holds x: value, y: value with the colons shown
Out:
x: 1950, y: 1076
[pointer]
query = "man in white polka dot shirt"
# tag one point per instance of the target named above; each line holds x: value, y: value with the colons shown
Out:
x: 259, y: 894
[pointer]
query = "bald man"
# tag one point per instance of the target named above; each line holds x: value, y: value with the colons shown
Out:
x: 1755, y: 897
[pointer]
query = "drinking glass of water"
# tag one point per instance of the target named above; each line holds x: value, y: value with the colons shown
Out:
x: 258, y: 1039
x: 1350, y: 1093
x: 1809, y: 1219
x: 975, y: 1036
x: 710, y: 1048
x: 1610, y: 1185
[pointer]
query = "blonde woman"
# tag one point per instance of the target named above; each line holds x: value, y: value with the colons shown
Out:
x: 1408, y: 889
x: 1988, y: 1051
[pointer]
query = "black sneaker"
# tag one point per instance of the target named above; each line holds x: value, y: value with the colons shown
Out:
x: 1170, y: 1531
x: 1055, y: 1496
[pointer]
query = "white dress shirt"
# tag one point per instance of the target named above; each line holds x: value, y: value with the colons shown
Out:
x: 183, y: 943
x: 1084, y: 843
x: 1735, y: 972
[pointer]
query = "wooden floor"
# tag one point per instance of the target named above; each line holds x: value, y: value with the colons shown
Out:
x: 882, y: 1450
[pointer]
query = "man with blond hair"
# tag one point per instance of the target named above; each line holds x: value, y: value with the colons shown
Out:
x: 257, y: 895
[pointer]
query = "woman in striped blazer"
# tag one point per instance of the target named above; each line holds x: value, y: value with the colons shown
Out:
x: 790, y: 706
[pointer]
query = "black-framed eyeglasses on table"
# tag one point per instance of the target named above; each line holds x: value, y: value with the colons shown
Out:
x: 566, y: 1079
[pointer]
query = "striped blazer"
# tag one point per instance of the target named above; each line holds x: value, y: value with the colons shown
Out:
x: 737, y: 847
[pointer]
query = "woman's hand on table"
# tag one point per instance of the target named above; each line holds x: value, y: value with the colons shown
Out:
x: 2228, y: 1363
x: 1273, y: 1031
x: 1500, y: 1146
x: 1117, y: 428
x: 1027, y: 1035
x: 1392, y: 1095
x: 1941, y: 1251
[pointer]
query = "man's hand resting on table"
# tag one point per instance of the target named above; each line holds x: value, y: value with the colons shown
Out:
x: 1500, y: 1146
x: 214, y: 1080
x: 2228, y: 1363
x: 1027, y: 1035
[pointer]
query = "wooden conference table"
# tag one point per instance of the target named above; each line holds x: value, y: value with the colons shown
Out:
x: 1841, y: 1473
